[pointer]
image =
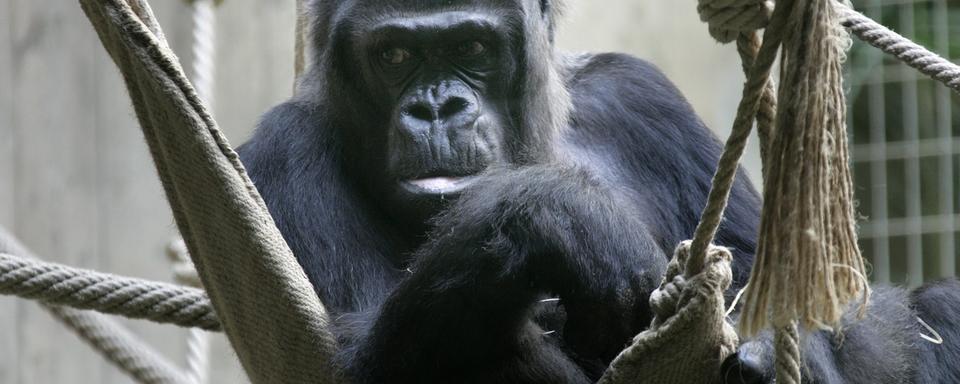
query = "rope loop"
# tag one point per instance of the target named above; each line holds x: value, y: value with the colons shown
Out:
x: 667, y: 300
x: 727, y: 19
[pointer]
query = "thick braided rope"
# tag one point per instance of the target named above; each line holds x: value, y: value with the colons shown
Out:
x: 270, y: 313
x: 107, y: 337
x: 903, y: 49
x: 787, y: 343
x: 111, y: 294
x: 758, y: 81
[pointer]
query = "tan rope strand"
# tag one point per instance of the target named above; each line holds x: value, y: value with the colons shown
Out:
x: 748, y: 46
x: 807, y: 226
x: 787, y: 344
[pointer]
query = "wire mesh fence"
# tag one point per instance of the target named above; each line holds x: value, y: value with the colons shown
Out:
x: 906, y: 136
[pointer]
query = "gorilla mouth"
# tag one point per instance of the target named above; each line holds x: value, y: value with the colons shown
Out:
x: 441, y: 185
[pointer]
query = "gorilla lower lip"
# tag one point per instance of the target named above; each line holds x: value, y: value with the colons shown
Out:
x: 439, y: 184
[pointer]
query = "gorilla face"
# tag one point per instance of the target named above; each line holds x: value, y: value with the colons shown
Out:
x: 444, y: 79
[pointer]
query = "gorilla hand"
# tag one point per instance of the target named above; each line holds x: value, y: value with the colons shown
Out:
x: 514, y: 235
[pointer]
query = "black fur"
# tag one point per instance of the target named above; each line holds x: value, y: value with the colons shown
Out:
x: 883, y: 347
x: 593, y: 168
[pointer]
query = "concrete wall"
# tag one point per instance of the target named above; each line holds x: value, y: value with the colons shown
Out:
x: 670, y: 35
x: 78, y: 187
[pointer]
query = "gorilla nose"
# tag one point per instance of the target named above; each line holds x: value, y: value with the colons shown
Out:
x: 448, y: 112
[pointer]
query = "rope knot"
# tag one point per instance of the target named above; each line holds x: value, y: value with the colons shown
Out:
x: 666, y: 300
x: 727, y: 19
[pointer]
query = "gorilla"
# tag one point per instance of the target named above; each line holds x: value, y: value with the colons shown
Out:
x: 474, y: 206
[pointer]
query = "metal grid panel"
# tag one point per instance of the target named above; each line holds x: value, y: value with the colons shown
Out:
x: 906, y: 145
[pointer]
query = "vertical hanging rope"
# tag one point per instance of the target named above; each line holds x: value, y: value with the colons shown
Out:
x: 748, y: 46
x: 198, y: 340
x: 756, y: 90
x: 786, y: 341
x: 808, y: 264
x: 204, y: 49
x: 204, y: 80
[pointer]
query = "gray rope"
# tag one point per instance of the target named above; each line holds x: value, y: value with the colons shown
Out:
x: 107, y: 293
x: 198, y: 340
x: 111, y: 339
x: 204, y: 49
x: 903, y: 49
x: 203, y: 79
x: 119, y: 346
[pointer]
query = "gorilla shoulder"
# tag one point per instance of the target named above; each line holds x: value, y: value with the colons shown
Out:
x: 618, y: 91
x: 618, y: 74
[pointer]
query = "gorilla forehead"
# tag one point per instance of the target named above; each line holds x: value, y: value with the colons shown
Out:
x: 372, y: 11
x: 353, y: 9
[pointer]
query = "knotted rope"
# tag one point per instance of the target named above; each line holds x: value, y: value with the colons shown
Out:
x: 807, y: 228
x: 728, y: 19
x: 137, y: 44
x: 689, y: 326
x: 758, y: 90
x: 107, y: 293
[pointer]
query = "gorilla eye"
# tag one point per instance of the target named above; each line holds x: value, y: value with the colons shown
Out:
x: 471, y: 48
x: 395, y: 56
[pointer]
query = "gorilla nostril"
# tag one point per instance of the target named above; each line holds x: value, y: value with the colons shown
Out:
x: 420, y: 112
x: 453, y: 106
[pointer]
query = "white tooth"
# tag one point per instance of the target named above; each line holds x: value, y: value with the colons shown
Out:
x: 436, y: 183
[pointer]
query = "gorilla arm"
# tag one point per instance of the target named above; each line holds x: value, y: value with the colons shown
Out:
x: 347, y: 251
x: 519, y: 233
